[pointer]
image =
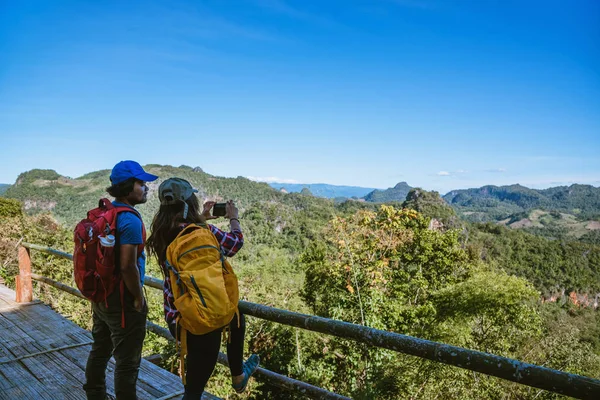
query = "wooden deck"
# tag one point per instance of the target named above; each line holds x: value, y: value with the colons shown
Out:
x: 43, y: 356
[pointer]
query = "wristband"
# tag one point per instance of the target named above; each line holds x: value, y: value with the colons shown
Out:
x: 234, y: 219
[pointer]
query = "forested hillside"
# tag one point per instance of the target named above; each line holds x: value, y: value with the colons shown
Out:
x: 408, y: 266
x: 498, y: 202
x: 397, y: 193
x: 69, y: 199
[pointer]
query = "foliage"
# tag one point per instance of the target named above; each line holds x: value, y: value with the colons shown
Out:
x: 10, y: 208
x: 592, y: 237
x: 37, y: 174
x: 495, y: 203
x: 12, y: 225
x: 501, y: 310
x: 563, y: 345
x: 550, y: 265
x: 375, y: 251
x: 431, y: 205
x: 387, y: 270
x: 306, y: 192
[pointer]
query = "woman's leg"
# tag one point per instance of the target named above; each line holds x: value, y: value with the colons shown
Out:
x: 203, y: 351
x: 235, y: 347
x: 240, y: 371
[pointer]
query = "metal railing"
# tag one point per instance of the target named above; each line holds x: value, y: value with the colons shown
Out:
x: 502, y: 367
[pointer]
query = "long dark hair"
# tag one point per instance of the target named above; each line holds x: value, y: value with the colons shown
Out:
x: 167, y: 224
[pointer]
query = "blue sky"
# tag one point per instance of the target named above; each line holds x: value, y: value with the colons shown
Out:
x: 441, y: 94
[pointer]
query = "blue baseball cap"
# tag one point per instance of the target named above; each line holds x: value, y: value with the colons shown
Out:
x: 130, y: 169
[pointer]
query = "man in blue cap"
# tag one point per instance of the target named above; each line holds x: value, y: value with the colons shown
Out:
x: 120, y: 321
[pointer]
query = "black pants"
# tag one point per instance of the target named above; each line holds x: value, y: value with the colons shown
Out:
x: 203, y: 351
x: 125, y: 344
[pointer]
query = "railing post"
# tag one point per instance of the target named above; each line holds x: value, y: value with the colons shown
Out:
x: 23, y: 280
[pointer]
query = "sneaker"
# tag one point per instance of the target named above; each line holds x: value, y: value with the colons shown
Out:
x: 249, y: 368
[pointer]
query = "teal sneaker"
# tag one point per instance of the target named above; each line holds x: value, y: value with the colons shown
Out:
x: 249, y: 368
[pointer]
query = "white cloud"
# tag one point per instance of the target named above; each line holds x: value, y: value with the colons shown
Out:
x: 461, y: 171
x: 496, y: 170
x: 270, y: 179
x: 443, y: 173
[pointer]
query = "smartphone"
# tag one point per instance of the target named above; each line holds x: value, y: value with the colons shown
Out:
x: 219, y: 210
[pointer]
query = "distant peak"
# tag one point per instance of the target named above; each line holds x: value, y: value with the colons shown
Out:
x: 35, y: 174
x: 401, y: 185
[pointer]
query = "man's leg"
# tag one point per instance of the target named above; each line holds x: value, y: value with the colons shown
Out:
x: 95, y: 370
x: 127, y: 351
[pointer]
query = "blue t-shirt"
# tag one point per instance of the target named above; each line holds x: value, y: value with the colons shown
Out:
x: 129, y: 226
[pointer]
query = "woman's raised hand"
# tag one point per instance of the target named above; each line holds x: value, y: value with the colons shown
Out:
x: 231, y: 210
x: 206, y: 210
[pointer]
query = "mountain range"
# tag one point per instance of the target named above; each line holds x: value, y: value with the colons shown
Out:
x: 69, y: 199
x: 324, y: 189
x: 501, y: 201
x: 397, y: 193
x: 47, y: 190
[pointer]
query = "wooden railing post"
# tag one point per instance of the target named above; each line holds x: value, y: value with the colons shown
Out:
x: 23, y: 280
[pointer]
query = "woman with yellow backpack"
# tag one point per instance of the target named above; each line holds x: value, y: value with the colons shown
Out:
x: 200, y: 287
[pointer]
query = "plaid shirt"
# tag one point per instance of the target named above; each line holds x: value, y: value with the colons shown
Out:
x: 231, y: 243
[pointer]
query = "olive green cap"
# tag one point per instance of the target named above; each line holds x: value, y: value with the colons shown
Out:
x: 174, y: 190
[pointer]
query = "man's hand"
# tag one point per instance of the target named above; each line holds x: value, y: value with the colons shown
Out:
x: 131, y: 274
x: 138, y: 304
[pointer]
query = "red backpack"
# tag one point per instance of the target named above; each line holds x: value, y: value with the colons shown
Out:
x: 95, y: 273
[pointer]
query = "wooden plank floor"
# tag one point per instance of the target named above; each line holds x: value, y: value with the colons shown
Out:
x: 43, y: 356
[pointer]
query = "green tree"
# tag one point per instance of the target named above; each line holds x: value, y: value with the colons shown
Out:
x: 388, y: 270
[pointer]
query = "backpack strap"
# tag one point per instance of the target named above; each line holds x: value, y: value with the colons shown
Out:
x: 190, y: 227
x: 178, y: 282
x: 130, y: 209
x: 106, y: 204
x: 181, y: 345
x: 119, y: 209
x: 187, y: 229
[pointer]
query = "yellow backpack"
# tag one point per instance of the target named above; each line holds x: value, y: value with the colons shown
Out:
x: 204, y: 285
